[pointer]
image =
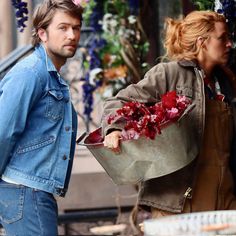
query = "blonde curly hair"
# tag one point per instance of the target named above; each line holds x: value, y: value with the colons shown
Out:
x: 181, y: 35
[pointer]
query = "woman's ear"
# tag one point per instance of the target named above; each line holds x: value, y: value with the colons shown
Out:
x: 200, y: 42
x: 42, y: 33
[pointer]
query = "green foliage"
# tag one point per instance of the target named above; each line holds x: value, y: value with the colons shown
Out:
x: 88, y: 11
x: 119, y: 7
x: 125, y: 39
x: 204, y: 4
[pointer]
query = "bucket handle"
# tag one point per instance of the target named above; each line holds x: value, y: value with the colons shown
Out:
x: 188, y: 109
x: 81, y: 138
x: 80, y: 141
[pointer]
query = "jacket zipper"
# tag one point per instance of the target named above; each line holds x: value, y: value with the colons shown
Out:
x: 188, y: 195
x: 200, y: 76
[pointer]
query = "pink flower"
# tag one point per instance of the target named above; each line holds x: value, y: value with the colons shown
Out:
x: 173, y: 114
x: 129, y: 134
x: 81, y: 3
x: 182, y: 102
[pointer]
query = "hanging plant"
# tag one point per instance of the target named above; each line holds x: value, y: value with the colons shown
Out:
x: 21, y: 13
x: 118, y: 48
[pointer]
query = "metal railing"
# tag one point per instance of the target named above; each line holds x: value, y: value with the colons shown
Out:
x: 91, y: 216
x: 12, y: 58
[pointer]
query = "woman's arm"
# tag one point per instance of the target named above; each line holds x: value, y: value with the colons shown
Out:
x: 148, y: 90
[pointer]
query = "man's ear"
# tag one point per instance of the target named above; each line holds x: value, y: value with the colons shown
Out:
x: 42, y: 33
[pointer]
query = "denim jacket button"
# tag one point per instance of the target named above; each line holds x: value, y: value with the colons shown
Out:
x: 64, y: 157
x: 67, y: 128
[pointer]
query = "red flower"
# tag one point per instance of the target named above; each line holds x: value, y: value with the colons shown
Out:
x: 159, y: 111
x: 149, y: 120
x: 169, y: 100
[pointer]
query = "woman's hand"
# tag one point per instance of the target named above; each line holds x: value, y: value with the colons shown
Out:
x: 112, y: 140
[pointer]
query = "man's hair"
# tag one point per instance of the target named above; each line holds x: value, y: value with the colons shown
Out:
x: 181, y: 35
x: 46, y: 10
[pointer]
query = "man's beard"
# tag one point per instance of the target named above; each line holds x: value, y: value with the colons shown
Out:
x: 65, y: 53
x: 62, y: 55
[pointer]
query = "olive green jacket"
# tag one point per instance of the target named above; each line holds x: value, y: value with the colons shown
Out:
x: 168, y: 192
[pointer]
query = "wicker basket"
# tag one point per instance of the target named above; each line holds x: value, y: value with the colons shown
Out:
x: 144, y: 159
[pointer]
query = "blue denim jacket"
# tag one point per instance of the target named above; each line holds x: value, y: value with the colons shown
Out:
x: 37, y: 125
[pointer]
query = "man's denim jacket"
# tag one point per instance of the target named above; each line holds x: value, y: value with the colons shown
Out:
x: 37, y: 125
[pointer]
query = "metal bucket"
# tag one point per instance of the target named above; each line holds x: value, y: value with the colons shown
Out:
x: 145, y: 159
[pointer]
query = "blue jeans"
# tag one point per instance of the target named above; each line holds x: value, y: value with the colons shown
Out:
x: 27, y: 212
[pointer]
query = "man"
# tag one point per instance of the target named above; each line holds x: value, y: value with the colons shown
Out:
x: 38, y: 124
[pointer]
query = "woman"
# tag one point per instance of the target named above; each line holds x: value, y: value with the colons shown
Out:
x: 198, y: 47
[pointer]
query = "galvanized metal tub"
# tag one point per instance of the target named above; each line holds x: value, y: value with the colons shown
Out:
x: 144, y: 159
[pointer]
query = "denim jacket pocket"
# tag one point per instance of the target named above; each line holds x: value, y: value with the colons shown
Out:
x: 11, y: 202
x: 35, y: 144
x: 55, y: 105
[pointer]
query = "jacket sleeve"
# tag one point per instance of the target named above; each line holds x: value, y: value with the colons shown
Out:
x: 148, y: 90
x: 18, y: 93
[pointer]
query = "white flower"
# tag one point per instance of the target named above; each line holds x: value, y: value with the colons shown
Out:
x: 105, y: 22
x: 109, y: 23
x: 121, y: 31
x: 132, y: 19
x: 107, y: 16
x: 93, y: 74
x: 113, y: 22
x: 218, y: 5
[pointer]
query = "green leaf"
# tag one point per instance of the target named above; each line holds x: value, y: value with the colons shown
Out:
x: 204, y: 4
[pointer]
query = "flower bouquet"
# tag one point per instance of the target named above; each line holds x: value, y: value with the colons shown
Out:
x: 149, y: 120
x: 156, y: 140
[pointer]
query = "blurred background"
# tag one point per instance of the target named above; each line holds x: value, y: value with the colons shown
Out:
x: 120, y: 41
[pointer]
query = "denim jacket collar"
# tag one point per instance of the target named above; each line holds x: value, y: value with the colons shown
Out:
x: 41, y: 51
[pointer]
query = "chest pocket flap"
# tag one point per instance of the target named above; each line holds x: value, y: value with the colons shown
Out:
x: 55, y: 105
x: 184, y: 91
x: 57, y: 94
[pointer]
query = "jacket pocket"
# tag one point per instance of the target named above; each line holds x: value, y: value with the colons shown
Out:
x: 35, y: 144
x: 55, y: 105
x: 184, y: 91
x: 11, y: 202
